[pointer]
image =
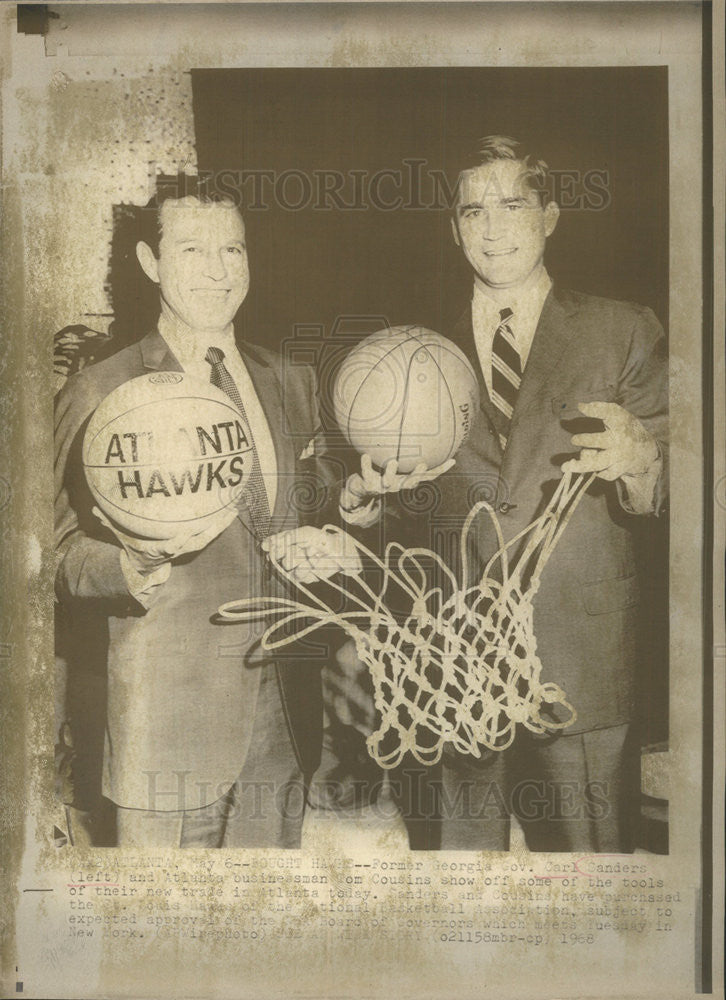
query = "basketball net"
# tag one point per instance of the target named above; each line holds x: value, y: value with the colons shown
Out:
x: 460, y: 669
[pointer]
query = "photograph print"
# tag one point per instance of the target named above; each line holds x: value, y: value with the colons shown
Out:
x: 362, y: 483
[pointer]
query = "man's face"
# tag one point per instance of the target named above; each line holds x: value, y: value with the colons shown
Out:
x: 500, y: 224
x: 202, y: 268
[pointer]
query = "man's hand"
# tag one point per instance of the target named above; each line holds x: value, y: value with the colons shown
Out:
x: 362, y: 486
x: 625, y: 448
x: 311, y: 554
x: 145, y: 555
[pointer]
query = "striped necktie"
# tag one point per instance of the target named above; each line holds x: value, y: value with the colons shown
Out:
x: 506, y: 373
x: 255, y: 495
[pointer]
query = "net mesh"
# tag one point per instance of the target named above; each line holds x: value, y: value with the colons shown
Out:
x: 459, y: 667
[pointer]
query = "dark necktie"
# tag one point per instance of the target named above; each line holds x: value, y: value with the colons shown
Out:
x: 255, y: 496
x: 506, y: 373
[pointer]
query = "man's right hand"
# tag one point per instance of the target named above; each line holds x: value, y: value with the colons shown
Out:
x: 311, y: 554
x: 146, y: 555
x: 361, y: 487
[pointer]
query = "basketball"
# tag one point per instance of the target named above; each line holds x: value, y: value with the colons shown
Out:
x: 406, y: 393
x: 163, y: 452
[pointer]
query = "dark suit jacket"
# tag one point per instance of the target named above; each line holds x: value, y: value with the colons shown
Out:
x: 584, y: 349
x: 181, y: 687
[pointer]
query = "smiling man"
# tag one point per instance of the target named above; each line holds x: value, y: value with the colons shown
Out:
x: 207, y: 743
x: 501, y: 227
x: 559, y: 371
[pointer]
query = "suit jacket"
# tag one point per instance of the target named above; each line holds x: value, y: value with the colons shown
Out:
x: 584, y: 349
x: 181, y: 686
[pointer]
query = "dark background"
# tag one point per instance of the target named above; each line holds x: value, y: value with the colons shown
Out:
x: 313, y: 266
x: 348, y: 272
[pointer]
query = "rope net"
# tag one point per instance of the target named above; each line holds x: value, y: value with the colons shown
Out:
x: 460, y: 666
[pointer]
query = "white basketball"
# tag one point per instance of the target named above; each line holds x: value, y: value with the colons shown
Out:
x: 164, y: 452
x: 406, y: 393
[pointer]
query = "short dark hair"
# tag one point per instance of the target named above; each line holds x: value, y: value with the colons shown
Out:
x: 502, y: 147
x: 173, y: 187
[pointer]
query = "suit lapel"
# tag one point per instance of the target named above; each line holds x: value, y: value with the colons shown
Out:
x: 269, y: 392
x: 156, y: 355
x: 553, y: 334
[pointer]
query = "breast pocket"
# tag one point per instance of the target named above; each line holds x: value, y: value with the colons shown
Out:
x: 565, y: 405
x: 603, y: 596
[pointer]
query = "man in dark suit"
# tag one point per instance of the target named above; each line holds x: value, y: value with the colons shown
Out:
x: 207, y: 742
x: 548, y: 360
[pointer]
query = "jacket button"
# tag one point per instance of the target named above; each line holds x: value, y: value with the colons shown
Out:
x: 505, y: 507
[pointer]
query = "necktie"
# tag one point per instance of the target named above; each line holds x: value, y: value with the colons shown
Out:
x: 256, y: 498
x: 506, y: 373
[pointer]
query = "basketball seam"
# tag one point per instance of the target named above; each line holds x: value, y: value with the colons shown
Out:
x: 192, y: 458
x: 422, y: 346
x: 176, y: 520
x: 202, y: 399
x: 383, y: 357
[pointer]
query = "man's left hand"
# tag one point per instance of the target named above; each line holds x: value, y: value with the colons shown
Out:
x: 624, y: 448
x: 146, y: 555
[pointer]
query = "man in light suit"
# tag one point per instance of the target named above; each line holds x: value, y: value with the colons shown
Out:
x: 207, y: 742
x: 547, y: 359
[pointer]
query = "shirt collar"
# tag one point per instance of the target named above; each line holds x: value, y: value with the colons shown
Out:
x: 526, y: 307
x: 190, y: 348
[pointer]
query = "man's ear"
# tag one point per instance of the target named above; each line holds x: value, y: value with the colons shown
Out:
x: 455, y: 231
x: 149, y: 263
x: 551, y: 215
